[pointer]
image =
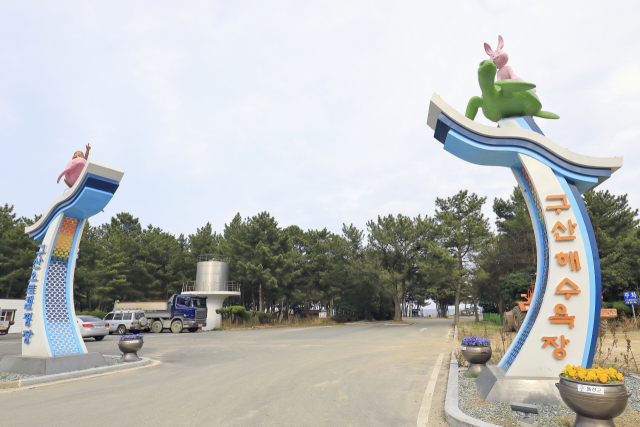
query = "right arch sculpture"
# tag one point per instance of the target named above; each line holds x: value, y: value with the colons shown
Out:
x: 562, y: 323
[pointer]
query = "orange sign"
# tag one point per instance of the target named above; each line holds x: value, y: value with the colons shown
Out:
x: 562, y: 316
x: 559, y: 208
x: 570, y: 226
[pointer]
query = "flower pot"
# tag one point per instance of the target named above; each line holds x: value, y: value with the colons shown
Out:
x: 594, y: 404
x: 129, y: 349
x: 476, y: 356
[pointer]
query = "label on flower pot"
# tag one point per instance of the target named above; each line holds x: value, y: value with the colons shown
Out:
x: 590, y: 389
x: 463, y: 347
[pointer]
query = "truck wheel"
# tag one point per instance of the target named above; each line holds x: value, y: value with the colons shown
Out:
x: 176, y: 327
x: 518, y: 318
x: 156, y: 327
x: 122, y: 330
x: 193, y: 329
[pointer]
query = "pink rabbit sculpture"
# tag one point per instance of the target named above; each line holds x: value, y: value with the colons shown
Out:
x: 500, y: 58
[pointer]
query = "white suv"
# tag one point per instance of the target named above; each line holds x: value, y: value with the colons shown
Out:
x: 123, y: 321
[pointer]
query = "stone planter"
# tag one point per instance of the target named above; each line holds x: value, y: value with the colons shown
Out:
x: 476, y: 356
x: 594, y: 404
x: 129, y: 349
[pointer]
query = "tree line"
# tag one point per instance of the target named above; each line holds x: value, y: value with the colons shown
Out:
x: 451, y: 257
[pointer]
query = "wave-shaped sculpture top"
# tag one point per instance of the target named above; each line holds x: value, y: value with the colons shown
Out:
x: 91, y: 192
x: 562, y: 324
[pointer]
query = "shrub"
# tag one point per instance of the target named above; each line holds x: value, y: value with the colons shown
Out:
x: 263, y: 317
x: 343, y: 318
x: 95, y: 313
x: 620, y: 306
x: 238, y: 311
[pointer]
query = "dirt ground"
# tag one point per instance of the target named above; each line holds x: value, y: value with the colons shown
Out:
x: 616, y: 351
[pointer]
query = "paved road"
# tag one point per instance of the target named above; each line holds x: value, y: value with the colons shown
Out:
x: 352, y: 375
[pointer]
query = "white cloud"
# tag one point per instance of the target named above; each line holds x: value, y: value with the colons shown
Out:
x: 314, y: 112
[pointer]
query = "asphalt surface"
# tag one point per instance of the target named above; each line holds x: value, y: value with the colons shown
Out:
x: 367, y: 374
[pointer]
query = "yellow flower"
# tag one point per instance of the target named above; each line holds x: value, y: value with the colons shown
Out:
x: 619, y: 377
x: 603, y: 378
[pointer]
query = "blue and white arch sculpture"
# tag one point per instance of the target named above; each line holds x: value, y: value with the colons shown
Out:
x: 562, y: 323
x: 50, y: 329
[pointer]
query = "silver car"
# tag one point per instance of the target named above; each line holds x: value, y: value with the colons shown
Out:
x: 123, y: 321
x: 92, y: 327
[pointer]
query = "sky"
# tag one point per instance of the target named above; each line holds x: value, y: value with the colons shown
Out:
x: 312, y: 111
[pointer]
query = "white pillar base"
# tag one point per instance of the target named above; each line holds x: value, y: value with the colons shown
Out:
x: 214, y: 301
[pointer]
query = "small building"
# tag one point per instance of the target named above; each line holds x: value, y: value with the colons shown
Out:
x: 212, y: 282
x: 13, y: 310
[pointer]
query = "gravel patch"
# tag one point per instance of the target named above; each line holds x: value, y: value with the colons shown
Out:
x: 12, y: 376
x: 470, y: 402
x: 633, y: 385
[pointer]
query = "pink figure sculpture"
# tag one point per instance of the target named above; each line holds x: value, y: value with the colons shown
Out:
x: 74, y: 167
x: 500, y: 58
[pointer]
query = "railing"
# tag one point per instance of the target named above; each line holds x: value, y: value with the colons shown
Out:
x: 212, y: 257
x: 492, y: 317
x: 211, y: 287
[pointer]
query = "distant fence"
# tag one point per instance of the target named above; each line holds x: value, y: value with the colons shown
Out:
x: 492, y: 317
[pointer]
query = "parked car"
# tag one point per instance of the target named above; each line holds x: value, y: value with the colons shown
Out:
x: 92, y: 327
x: 123, y: 321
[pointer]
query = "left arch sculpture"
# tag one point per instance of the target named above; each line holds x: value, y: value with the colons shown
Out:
x: 50, y: 329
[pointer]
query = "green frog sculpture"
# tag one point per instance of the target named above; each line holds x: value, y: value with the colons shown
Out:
x: 504, y: 98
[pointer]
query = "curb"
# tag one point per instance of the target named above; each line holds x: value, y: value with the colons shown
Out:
x: 75, y: 374
x: 452, y: 412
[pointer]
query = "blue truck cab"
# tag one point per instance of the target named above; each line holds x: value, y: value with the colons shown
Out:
x: 191, y: 309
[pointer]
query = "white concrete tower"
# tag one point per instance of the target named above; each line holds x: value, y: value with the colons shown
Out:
x: 212, y: 281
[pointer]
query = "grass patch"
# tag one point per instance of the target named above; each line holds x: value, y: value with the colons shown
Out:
x: 471, y: 375
x: 478, y: 328
x: 565, y: 421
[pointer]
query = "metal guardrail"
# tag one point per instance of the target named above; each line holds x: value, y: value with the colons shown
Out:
x: 211, y: 287
x: 492, y: 317
x: 212, y: 257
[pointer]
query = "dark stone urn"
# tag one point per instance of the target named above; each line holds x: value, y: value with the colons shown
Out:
x: 129, y: 348
x: 595, y: 405
x: 476, y: 356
